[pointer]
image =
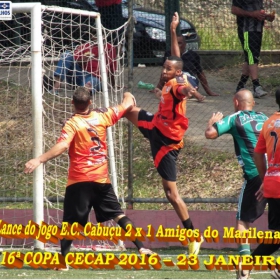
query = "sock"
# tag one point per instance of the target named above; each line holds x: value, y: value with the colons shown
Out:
x: 123, y: 222
x: 244, y: 249
x: 242, y: 82
x: 255, y: 83
x: 188, y: 224
x: 265, y: 249
x: 65, y: 246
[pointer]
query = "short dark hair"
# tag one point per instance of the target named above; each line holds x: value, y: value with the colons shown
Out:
x: 277, y: 96
x: 81, y: 98
x: 178, y: 60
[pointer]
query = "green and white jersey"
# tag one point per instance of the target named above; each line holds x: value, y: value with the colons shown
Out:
x: 245, y: 127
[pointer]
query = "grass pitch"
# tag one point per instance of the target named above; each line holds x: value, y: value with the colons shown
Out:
x: 165, y: 272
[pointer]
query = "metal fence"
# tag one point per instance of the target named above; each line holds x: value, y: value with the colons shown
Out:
x: 221, y: 58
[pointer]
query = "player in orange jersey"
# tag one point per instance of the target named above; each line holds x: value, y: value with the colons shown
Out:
x: 84, y: 136
x: 165, y: 130
x: 268, y: 143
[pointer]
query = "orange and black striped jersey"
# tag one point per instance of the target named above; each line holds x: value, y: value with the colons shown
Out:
x: 86, y: 136
x: 170, y: 118
x: 269, y: 143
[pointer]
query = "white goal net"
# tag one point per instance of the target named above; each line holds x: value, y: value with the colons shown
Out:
x: 62, y: 32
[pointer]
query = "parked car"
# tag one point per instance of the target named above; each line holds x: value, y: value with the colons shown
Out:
x: 149, y: 38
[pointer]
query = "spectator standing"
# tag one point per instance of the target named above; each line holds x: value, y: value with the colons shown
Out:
x: 250, y: 18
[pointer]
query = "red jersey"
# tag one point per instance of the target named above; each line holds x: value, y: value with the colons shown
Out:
x: 86, y: 136
x: 171, y: 116
x: 269, y: 143
x: 105, y: 3
x: 88, y: 56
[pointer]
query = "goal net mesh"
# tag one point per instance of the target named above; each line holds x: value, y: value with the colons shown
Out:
x: 62, y: 33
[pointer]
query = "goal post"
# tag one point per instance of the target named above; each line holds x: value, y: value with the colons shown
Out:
x: 49, y: 41
x: 104, y: 82
x: 37, y: 107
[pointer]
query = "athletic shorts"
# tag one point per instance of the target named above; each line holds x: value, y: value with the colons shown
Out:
x: 81, y: 197
x: 164, y: 150
x: 249, y: 208
x: 273, y: 213
x: 251, y: 43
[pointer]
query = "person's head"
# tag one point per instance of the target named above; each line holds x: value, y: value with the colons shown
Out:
x: 172, y: 67
x: 277, y: 97
x: 182, y: 43
x: 243, y: 100
x: 81, y: 99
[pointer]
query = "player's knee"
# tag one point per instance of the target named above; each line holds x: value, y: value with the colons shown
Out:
x: 173, y: 198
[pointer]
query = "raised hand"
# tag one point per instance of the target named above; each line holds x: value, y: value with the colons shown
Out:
x: 175, y: 21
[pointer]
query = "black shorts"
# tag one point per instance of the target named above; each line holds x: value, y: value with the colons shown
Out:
x: 251, y: 43
x: 249, y: 208
x: 164, y: 150
x: 81, y: 197
x: 273, y: 213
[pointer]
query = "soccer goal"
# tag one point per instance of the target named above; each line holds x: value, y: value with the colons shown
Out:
x: 32, y: 112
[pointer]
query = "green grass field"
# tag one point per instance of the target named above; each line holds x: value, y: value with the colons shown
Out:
x: 165, y: 272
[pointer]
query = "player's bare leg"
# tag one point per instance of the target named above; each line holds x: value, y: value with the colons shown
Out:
x: 132, y: 115
x: 244, y: 249
x: 171, y: 192
x: 123, y: 221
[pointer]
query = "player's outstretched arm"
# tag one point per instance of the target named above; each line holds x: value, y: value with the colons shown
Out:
x: 197, y: 95
x: 55, y: 151
x: 190, y: 91
x: 211, y: 132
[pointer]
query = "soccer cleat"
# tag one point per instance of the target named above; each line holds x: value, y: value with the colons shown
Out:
x: 242, y: 274
x: 275, y: 274
x: 259, y: 92
x: 147, y: 252
x: 194, y: 246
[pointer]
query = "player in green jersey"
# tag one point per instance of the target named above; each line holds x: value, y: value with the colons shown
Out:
x: 245, y: 126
